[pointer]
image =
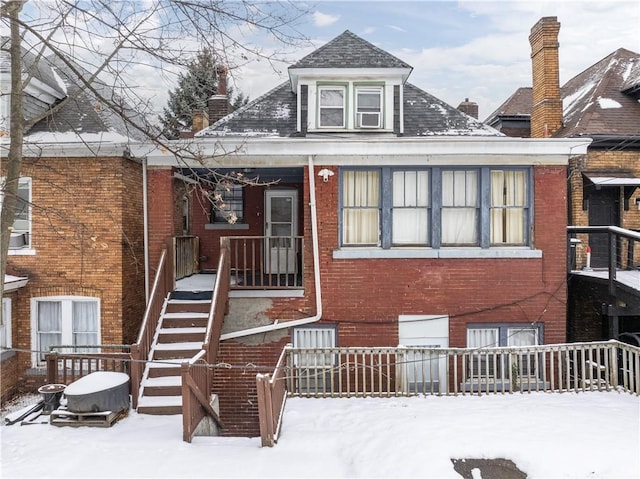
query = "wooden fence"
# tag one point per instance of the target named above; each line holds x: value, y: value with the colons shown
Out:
x: 65, y: 368
x: 411, y: 371
x: 187, y: 256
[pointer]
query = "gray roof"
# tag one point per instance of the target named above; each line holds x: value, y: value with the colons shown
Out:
x: 84, y: 112
x: 274, y: 113
x: 349, y: 50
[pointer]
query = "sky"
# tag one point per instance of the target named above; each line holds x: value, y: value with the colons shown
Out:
x: 591, y: 435
x: 463, y: 49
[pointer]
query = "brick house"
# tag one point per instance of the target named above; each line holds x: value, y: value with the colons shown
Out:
x: 381, y: 215
x: 76, y: 261
x: 600, y: 104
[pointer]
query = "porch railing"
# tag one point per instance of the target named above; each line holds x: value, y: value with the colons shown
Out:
x: 219, y: 304
x: 266, y: 262
x: 408, y: 371
x: 621, y: 249
x: 163, y: 284
x: 187, y: 256
x: 65, y: 368
x: 272, y: 395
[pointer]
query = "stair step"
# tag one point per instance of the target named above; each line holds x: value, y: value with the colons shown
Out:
x: 160, y: 405
x: 198, y: 306
x: 181, y: 335
x: 156, y: 391
x: 170, y: 323
x: 162, y: 381
x: 186, y: 315
x: 186, y: 346
x: 168, y: 367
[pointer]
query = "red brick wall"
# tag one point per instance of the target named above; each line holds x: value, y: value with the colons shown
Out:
x: 365, y: 296
x: 86, y: 231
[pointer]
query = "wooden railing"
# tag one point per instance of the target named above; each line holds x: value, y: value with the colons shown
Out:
x: 196, y: 394
x: 65, y: 368
x: 266, y: 262
x: 187, y: 256
x: 408, y: 371
x: 219, y: 304
x: 272, y: 394
x: 163, y: 284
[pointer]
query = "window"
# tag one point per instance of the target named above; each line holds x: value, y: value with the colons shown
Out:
x: 21, y: 233
x: 313, y: 368
x: 361, y: 207
x: 5, y: 324
x: 487, y: 364
x: 472, y: 207
x: 185, y: 215
x: 64, y: 321
x: 331, y: 108
x: 460, y: 207
x: 369, y: 107
x: 508, y: 207
x: 410, y: 213
x: 228, y: 205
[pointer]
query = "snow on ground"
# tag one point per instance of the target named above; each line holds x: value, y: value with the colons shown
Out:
x: 585, y: 435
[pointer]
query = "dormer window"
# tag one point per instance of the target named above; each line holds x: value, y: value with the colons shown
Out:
x: 332, y: 106
x: 369, y: 107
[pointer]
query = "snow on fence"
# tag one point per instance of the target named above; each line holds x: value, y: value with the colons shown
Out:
x: 65, y: 368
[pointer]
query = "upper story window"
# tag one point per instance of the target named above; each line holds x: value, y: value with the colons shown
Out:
x: 331, y: 106
x: 21, y: 232
x: 477, y: 207
x: 5, y: 324
x: 65, y: 321
x: 368, y: 107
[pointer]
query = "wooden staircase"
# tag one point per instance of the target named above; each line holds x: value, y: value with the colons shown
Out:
x: 179, y: 337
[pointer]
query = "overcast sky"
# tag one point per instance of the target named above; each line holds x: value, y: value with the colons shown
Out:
x: 467, y: 49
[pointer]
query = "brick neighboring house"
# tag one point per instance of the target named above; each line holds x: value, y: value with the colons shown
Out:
x: 418, y: 224
x: 600, y: 104
x: 76, y: 260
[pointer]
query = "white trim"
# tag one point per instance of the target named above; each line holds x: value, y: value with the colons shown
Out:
x: 67, y: 322
x: 443, y: 253
x: 22, y: 252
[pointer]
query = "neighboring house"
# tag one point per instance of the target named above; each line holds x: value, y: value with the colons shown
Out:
x: 601, y: 104
x: 383, y: 216
x: 76, y: 259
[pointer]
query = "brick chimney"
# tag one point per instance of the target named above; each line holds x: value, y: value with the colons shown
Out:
x: 469, y: 107
x: 219, y: 103
x: 199, y: 120
x: 546, y: 115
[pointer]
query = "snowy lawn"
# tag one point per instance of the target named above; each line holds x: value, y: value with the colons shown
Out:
x: 586, y: 435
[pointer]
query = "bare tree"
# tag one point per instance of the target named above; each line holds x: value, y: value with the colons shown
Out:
x: 102, y: 40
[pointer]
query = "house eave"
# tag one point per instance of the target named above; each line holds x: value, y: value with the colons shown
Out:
x: 286, y: 152
x: 347, y: 74
x: 13, y: 283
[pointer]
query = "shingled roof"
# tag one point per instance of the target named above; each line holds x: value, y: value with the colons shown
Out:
x: 348, y: 49
x: 85, y: 114
x: 275, y: 113
x: 602, y: 100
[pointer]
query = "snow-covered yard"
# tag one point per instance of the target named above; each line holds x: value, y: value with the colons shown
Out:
x: 585, y: 435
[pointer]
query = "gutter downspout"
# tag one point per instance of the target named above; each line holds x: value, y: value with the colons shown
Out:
x: 316, y: 274
x: 145, y: 215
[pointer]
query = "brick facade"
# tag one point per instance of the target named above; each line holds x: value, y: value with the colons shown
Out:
x: 87, y: 235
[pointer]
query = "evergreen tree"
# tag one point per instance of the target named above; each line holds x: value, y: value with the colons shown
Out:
x: 194, y: 89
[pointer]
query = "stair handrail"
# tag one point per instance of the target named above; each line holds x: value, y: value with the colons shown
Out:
x: 162, y: 287
x: 219, y: 303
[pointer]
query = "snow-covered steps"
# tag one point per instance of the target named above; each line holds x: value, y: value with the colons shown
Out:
x: 181, y: 335
x: 162, y: 386
x: 161, y: 405
x: 163, y: 351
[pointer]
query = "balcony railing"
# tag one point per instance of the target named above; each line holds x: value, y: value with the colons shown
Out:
x: 266, y: 262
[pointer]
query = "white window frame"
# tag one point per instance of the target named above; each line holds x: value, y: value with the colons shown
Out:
x: 25, y: 233
x: 361, y: 111
x: 341, y: 88
x: 67, y: 322
x: 231, y: 204
x: 5, y: 324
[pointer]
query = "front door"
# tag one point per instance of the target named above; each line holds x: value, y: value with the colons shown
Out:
x: 281, y: 225
x: 604, y: 207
